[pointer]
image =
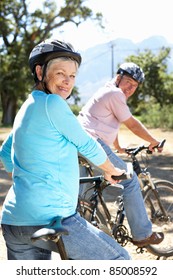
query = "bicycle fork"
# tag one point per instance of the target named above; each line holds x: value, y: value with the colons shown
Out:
x: 156, y: 194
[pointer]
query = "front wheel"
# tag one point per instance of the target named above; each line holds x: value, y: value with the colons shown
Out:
x: 161, y: 216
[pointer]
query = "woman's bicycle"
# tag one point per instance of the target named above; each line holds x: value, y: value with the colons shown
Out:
x: 50, y: 237
x: 157, y: 194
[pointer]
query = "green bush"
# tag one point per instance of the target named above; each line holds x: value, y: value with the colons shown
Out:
x: 156, y: 116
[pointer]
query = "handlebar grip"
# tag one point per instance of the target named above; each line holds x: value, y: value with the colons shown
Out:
x: 161, y: 144
x: 123, y: 176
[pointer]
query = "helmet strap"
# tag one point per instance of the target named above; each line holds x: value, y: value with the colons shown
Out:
x: 45, y: 88
x: 42, y: 79
x: 117, y: 83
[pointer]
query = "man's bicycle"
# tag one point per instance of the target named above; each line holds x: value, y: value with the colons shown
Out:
x: 158, y: 197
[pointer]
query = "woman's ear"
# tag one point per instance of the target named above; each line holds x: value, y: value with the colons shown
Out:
x: 38, y: 71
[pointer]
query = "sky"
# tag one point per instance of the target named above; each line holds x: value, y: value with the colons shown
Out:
x: 130, y: 19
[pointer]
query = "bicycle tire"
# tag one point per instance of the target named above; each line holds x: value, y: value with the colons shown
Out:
x: 165, y: 191
x: 86, y: 209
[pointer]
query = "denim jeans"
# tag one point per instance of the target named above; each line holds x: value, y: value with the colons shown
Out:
x: 84, y: 242
x: 19, y: 246
x: 136, y: 214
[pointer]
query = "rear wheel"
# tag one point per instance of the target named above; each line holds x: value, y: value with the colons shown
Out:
x: 161, y: 218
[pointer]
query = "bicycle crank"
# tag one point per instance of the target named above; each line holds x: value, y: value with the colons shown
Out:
x: 121, y: 234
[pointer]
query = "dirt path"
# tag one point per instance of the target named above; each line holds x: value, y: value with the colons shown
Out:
x: 162, y: 167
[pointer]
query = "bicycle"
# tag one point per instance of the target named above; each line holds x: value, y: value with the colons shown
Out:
x: 158, y: 197
x: 50, y: 237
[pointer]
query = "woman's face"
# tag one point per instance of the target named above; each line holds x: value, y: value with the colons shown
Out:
x: 60, y: 76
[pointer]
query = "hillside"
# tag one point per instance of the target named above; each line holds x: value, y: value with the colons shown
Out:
x: 99, y: 62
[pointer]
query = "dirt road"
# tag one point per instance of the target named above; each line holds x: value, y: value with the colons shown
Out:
x: 162, y: 167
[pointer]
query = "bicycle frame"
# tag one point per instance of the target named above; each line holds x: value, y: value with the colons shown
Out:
x: 115, y: 226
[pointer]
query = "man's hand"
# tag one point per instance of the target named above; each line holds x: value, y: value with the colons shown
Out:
x: 121, y: 150
x: 156, y: 145
x: 117, y: 146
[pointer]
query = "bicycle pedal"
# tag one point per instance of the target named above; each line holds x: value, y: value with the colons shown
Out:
x: 140, y: 250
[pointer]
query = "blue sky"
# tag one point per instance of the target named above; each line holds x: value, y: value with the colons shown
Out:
x: 130, y: 19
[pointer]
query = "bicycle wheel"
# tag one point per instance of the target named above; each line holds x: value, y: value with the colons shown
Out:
x: 86, y: 211
x: 162, y: 222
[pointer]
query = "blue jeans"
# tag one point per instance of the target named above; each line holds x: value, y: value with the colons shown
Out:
x: 84, y: 242
x: 19, y: 246
x: 136, y: 214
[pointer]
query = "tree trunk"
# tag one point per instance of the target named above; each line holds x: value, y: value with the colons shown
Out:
x: 9, y: 105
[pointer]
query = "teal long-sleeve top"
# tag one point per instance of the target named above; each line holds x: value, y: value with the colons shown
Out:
x: 42, y: 151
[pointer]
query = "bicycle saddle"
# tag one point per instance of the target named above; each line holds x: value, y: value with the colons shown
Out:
x: 51, y: 231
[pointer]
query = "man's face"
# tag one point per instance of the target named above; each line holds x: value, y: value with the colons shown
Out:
x: 128, y: 85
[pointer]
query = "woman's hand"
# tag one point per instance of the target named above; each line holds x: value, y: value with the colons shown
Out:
x: 116, y: 172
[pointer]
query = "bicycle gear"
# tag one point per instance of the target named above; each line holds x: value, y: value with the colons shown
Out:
x: 121, y: 234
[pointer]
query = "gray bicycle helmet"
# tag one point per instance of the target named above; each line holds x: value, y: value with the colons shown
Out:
x: 133, y: 70
x: 50, y: 49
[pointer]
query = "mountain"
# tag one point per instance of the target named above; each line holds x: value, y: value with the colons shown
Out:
x: 100, y: 62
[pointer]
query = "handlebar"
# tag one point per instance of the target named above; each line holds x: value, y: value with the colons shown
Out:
x: 100, y: 178
x: 140, y: 148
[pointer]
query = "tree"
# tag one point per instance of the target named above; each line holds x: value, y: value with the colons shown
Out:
x: 20, y: 31
x: 75, y: 95
x: 158, y: 83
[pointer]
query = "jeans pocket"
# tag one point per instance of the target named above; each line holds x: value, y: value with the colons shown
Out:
x: 4, y: 229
